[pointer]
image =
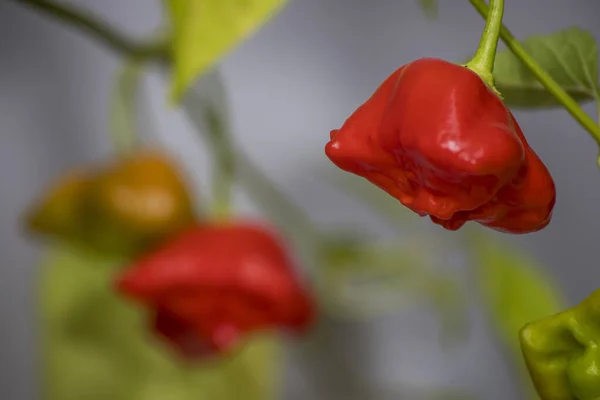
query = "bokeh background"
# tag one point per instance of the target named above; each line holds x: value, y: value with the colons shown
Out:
x: 289, y: 85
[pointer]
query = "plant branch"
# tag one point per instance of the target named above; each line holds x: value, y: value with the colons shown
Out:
x: 482, y: 62
x: 543, y: 77
x: 96, y: 29
x: 123, y: 107
x: 106, y: 35
x: 224, y: 165
x: 199, y: 107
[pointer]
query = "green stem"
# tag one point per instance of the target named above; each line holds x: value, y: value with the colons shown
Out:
x: 224, y: 164
x: 274, y: 203
x: 544, y: 78
x: 482, y: 62
x: 89, y: 24
x: 123, y: 107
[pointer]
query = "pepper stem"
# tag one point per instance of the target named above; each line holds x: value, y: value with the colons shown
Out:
x: 224, y: 164
x: 123, y: 107
x: 482, y: 62
x: 223, y: 175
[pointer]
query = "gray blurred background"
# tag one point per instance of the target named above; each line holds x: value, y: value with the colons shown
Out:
x: 289, y: 85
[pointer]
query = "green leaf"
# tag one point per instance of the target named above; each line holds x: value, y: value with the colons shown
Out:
x: 430, y: 8
x: 515, y: 290
x: 204, y: 31
x: 570, y: 57
x: 360, y: 280
x: 96, y: 346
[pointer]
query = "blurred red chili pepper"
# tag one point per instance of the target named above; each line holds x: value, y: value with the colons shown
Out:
x: 213, y: 284
x: 437, y: 138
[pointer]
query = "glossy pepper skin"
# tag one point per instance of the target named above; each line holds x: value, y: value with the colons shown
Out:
x: 562, y: 352
x: 212, y: 285
x: 435, y: 137
x: 122, y: 207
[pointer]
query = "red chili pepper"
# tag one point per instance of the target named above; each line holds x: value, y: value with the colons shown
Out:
x: 213, y: 284
x: 437, y: 138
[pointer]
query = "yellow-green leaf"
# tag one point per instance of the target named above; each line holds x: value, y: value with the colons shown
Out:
x: 205, y: 30
x: 515, y: 290
x: 96, y: 346
x: 570, y: 56
x: 430, y: 8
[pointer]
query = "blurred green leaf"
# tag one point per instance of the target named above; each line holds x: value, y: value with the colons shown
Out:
x: 358, y: 281
x: 515, y: 290
x: 204, y: 31
x: 430, y: 8
x: 96, y: 346
x: 361, y: 280
x: 570, y: 56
